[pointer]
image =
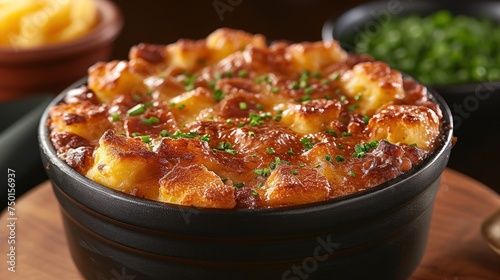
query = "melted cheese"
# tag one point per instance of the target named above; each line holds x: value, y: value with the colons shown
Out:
x: 229, y: 122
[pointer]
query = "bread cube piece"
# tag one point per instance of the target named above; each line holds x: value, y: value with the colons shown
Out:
x: 224, y: 41
x: 374, y: 84
x: 82, y: 118
x: 291, y: 185
x: 107, y: 80
x: 195, y: 185
x: 408, y: 124
x: 187, y: 106
x: 311, y: 117
x: 125, y: 164
x: 315, y: 56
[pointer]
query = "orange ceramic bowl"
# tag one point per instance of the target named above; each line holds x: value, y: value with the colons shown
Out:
x: 52, y: 68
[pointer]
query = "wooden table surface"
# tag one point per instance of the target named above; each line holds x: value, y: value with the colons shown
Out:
x: 455, y: 249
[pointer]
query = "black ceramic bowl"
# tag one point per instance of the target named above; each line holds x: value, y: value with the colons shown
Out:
x: 380, y: 233
x: 368, y: 19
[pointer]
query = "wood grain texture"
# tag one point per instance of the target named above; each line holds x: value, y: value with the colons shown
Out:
x: 455, y: 249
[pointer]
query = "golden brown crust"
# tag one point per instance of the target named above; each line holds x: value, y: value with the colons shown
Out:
x: 229, y: 122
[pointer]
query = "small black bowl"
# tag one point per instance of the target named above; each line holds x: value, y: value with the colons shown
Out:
x: 367, y: 19
x: 380, y: 233
x: 473, y: 106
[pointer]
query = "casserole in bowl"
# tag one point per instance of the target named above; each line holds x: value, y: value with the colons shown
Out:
x: 378, y: 230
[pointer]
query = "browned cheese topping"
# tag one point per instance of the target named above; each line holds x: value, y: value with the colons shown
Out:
x: 230, y: 122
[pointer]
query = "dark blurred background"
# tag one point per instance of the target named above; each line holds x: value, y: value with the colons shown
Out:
x: 164, y: 22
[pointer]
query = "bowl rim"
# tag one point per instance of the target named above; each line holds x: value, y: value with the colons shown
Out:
x: 47, y: 148
x: 361, y: 14
x: 110, y: 23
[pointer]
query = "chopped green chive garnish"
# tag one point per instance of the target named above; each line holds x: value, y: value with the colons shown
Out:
x: 309, y: 90
x: 328, y: 97
x: 182, y: 106
x: 294, y: 172
x: 307, y: 142
x: 137, y: 97
x: 239, y: 185
x: 334, y: 76
x: 366, y: 119
x: 150, y: 121
x: 243, y: 105
x: 229, y: 74
x: 360, y: 150
x: 346, y: 134
x: 260, y: 185
x: 259, y: 107
x: 148, y: 105
x: 189, y: 87
x: 229, y: 121
x: 115, y: 117
x: 277, y: 118
x: 211, y: 84
x: 290, y: 152
x: 136, y: 110
x: 305, y: 99
x: 149, y: 92
x: 172, y: 104
x: 230, y: 151
x: 343, y: 98
x: 241, y: 124
x: 340, y: 146
x: 353, y: 107
x: 205, y: 138
x: 325, y: 82
x: 243, y: 73
x: 294, y: 85
x: 413, y: 145
x: 145, y: 138
x: 224, y: 180
x: 262, y: 172
x: 218, y: 95
x: 135, y: 134
x: 270, y: 151
x: 339, y: 158
x: 275, y: 89
x: 303, y: 84
x: 164, y: 133
x: 332, y: 132
x: 251, y: 133
x: 279, y: 112
x: 272, y: 165
x: 328, y: 158
x: 302, y: 165
x: 316, y: 75
x: 358, y: 97
x: 254, y: 193
x: 352, y: 173
x: 218, y: 76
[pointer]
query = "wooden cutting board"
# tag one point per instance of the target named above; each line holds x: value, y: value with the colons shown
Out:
x: 455, y: 250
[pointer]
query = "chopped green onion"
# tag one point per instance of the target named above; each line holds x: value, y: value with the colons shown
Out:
x: 316, y: 75
x: 137, y: 97
x: 334, y: 76
x: 325, y: 82
x: 239, y: 185
x: 182, y: 106
x: 205, y: 138
x: 346, y: 134
x: 294, y: 85
x: 290, y: 152
x: 259, y: 107
x: 164, y: 133
x: 260, y: 185
x: 145, y: 138
x: 243, y: 73
x: 309, y: 90
x: 136, y: 110
x: 328, y: 158
x: 218, y: 95
x: 352, y: 173
x: 277, y: 118
x: 270, y: 151
x: 275, y: 89
x: 115, y: 117
x: 251, y: 133
x: 243, y: 105
x: 339, y: 158
x: 294, y: 172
